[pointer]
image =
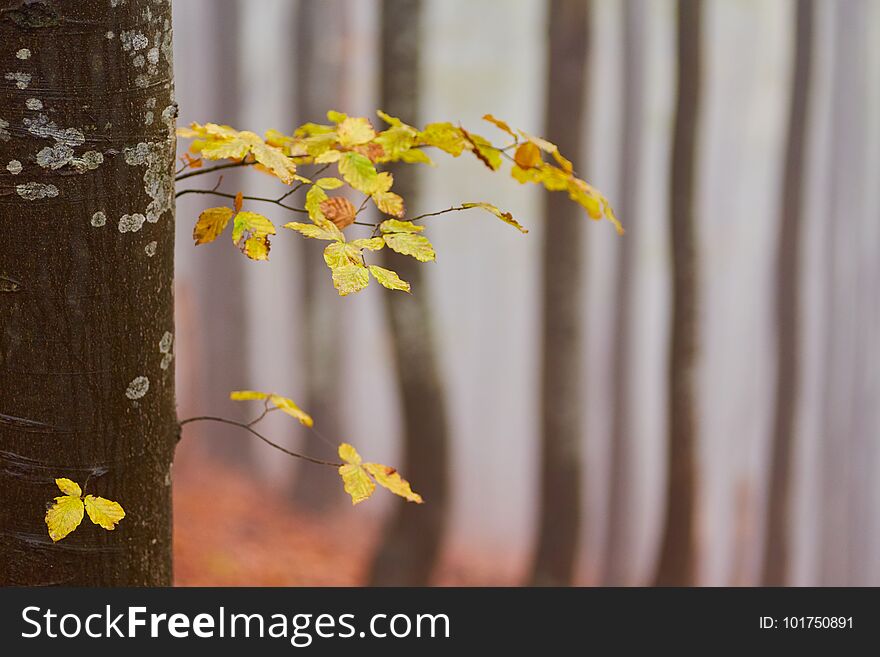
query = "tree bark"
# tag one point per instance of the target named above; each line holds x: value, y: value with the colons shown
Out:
x: 86, y: 298
x: 618, y: 529
x: 321, y: 84
x: 563, y: 255
x: 413, y: 538
x: 788, y: 289
x: 677, y: 564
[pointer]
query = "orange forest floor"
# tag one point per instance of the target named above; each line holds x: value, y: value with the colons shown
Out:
x: 231, y: 530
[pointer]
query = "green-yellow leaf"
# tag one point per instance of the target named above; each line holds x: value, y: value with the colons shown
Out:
x: 250, y: 232
x: 411, y: 244
x: 336, y: 117
x: 284, y: 404
x: 389, y: 278
x: 211, y: 223
x: 327, y: 231
x: 329, y: 183
x: 396, y: 226
x: 445, y: 136
x: 369, y: 243
x: 354, y: 131
x: 506, y: 217
x: 389, y: 478
x: 358, y: 172
x: 247, y: 395
x: 104, y: 512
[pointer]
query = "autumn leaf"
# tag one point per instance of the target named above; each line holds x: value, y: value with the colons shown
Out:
x: 483, y: 149
x: 411, y: 244
x: 348, y: 279
x: 284, y: 404
x: 339, y: 210
x: 358, y: 172
x: 445, y: 136
x: 358, y: 477
x: 388, y: 278
x: 67, y: 513
x: 221, y: 142
x: 327, y: 232
x: 389, y: 203
x: 506, y: 217
x: 396, y: 226
x: 502, y: 125
x: 211, y: 223
x: 527, y: 155
x: 103, y: 512
x: 250, y: 233
x: 354, y: 131
x: 329, y: 183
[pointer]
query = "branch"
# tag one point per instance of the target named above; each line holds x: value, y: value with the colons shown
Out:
x: 248, y: 427
x: 261, y: 199
x: 219, y: 167
x: 455, y: 208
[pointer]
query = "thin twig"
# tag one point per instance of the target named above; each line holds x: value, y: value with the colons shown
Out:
x: 247, y: 427
x: 219, y: 167
x: 261, y: 199
x: 455, y: 208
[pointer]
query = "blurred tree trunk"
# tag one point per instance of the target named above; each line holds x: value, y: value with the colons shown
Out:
x: 412, y: 540
x: 321, y: 84
x: 222, y: 310
x: 677, y: 563
x: 86, y: 299
x: 618, y: 535
x: 788, y: 290
x: 841, y: 451
x: 561, y: 398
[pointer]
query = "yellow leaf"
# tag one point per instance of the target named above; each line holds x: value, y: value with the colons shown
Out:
x: 444, y: 136
x: 64, y: 516
x: 211, y: 223
x: 247, y: 395
x: 395, y: 226
x: 284, y: 404
x: 389, y: 478
x: 336, y: 117
x: 103, y: 512
x: 220, y: 142
x: 288, y: 406
x: 483, y: 149
x: 250, y: 232
x: 369, y: 243
x: 499, y: 124
x: 354, y: 131
x: 384, y: 181
x: 350, y: 278
x: 416, y: 156
x: 527, y: 155
x: 316, y: 232
x: 68, y: 487
x: 411, y: 244
x: 329, y: 183
x: 340, y: 254
x: 314, y: 197
x: 506, y: 217
x: 358, y: 172
x: 388, y: 278
x: 389, y: 203
x: 357, y: 477
x: 328, y: 156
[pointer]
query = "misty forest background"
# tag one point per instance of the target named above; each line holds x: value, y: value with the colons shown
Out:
x: 457, y: 367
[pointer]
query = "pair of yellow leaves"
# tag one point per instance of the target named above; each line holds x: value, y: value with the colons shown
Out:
x: 358, y: 478
x: 67, y: 513
x: 250, y: 230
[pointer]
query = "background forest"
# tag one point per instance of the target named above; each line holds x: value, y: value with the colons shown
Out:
x: 460, y: 384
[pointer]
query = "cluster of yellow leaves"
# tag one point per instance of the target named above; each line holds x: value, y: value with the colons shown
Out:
x: 250, y: 230
x: 67, y: 513
x: 356, y: 148
x: 358, y: 477
x: 277, y: 401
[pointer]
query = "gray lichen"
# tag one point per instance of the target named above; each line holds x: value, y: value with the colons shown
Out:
x: 150, y: 248
x: 21, y: 79
x: 14, y: 167
x: 4, y: 133
x: 131, y: 223
x: 158, y: 182
x: 55, y: 157
x: 33, y: 104
x: 99, y: 219
x: 137, y: 388
x: 24, y: 53
x: 34, y: 191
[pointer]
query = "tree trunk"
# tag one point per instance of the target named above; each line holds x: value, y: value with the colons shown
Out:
x: 677, y: 565
x: 618, y: 530
x: 321, y: 85
x: 221, y: 299
x: 561, y: 394
x: 788, y: 254
x: 86, y: 296
x: 412, y: 541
